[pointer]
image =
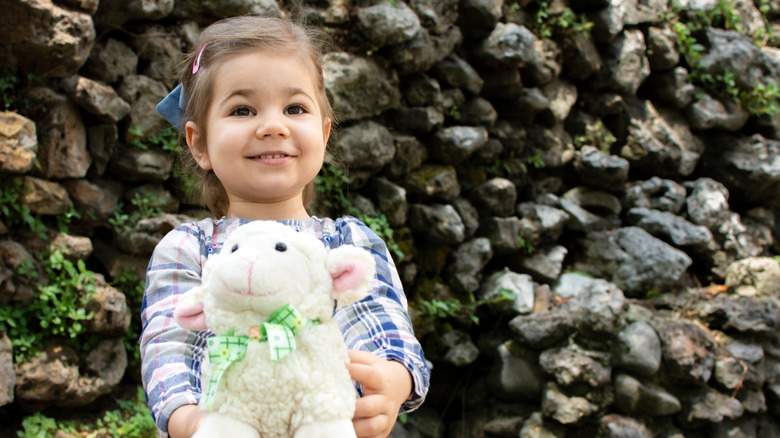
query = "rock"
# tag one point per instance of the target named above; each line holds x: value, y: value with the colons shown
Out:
x: 367, y: 145
x: 618, y: 426
x: 590, y: 210
x: 99, y: 199
x: 138, y: 165
x: 598, y: 314
x: 601, y: 170
x: 197, y: 9
x: 438, y: 223
x: 535, y: 426
x: 432, y: 181
x: 742, y: 314
x: 508, y: 283
x: 662, y: 50
x: 509, y: 45
x: 515, y: 374
x: 18, y: 143
x: 391, y: 199
x: 74, y: 248
x: 7, y: 375
x: 570, y: 366
x: 410, y: 154
x: 464, y: 272
x: 633, y: 259
x: 634, y: 398
x: 625, y: 65
x: 143, y: 94
x: 660, y: 139
x: 101, y: 142
x: 543, y: 264
x: 63, y: 154
x: 710, y: 113
x: 424, y: 50
x: 419, y: 119
x: 672, y: 229
x: 460, y: 351
x: 455, y: 144
x: 754, y: 277
x: 54, y: 378
x: 544, y: 329
x: 581, y: 58
x: 496, y: 197
x: 478, y: 112
x: 388, y: 24
x: 110, y: 61
x: 503, y: 233
x: 115, y: 13
x: 359, y: 87
x: 45, y: 39
x: 673, y: 87
x: 158, y: 48
x: 657, y: 194
x: 708, y: 405
x: 564, y: 409
x: 437, y: 15
x: 458, y: 73
x: 748, y: 166
x: 98, y: 99
x: 687, y: 352
x: 743, y: 366
x: 421, y: 90
x: 45, y: 197
x: 637, y: 349
x: 561, y: 95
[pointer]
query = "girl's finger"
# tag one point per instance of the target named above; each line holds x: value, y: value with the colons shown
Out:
x: 367, y: 375
x: 364, y: 357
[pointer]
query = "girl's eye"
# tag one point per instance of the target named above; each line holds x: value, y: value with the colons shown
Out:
x: 234, y: 248
x: 241, y: 111
x: 295, y: 110
x: 281, y: 247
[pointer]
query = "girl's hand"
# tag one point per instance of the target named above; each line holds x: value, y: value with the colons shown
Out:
x: 185, y: 421
x: 386, y: 386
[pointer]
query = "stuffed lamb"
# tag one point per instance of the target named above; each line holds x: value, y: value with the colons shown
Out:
x: 276, y: 365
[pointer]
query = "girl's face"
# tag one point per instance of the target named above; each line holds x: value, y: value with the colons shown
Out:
x: 266, y: 134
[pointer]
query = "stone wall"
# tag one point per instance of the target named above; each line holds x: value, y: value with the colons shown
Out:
x: 584, y: 231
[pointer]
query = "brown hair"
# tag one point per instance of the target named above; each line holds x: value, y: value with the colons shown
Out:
x: 228, y: 38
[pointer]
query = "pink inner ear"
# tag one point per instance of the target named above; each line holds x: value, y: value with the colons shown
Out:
x: 190, y: 316
x: 348, y: 276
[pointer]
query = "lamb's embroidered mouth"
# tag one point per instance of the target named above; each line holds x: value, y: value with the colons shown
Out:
x: 247, y: 292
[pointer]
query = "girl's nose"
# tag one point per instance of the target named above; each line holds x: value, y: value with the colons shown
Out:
x: 272, y: 126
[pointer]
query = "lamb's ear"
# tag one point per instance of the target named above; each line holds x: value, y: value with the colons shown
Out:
x: 352, y: 270
x: 189, y: 310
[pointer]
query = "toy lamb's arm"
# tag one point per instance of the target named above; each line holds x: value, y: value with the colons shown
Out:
x: 353, y: 271
x: 189, y: 310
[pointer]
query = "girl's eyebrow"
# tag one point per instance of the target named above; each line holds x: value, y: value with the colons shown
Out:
x: 286, y: 91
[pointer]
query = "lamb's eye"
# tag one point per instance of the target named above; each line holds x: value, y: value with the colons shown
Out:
x: 234, y: 248
x: 281, y: 247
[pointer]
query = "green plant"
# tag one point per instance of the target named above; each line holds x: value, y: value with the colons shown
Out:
x: 133, y: 287
x: 167, y: 139
x: 431, y: 310
x: 763, y: 99
x: 147, y: 205
x: 331, y: 184
x: 11, y: 85
x: 57, y: 311
x: 546, y: 24
x: 596, y: 135
x: 454, y: 112
x: 130, y: 420
x: 525, y: 245
x: 13, y: 211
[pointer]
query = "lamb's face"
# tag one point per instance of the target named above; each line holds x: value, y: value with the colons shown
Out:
x: 265, y: 265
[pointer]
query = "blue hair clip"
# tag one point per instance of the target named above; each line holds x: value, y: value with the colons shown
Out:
x: 172, y: 107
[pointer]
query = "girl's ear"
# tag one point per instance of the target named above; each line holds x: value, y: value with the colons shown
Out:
x: 326, y: 131
x: 197, y: 144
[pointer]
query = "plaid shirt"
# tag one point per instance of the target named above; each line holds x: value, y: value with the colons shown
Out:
x: 171, y: 356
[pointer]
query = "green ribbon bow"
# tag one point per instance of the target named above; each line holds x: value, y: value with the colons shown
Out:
x: 279, y: 331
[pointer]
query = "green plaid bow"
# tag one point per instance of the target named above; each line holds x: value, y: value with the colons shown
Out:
x: 279, y: 331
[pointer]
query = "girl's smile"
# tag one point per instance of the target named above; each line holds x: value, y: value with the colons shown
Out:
x: 265, y: 134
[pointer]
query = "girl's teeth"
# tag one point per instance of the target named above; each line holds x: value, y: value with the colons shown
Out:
x: 265, y: 157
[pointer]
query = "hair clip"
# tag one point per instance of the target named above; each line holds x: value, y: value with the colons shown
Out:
x: 196, y: 64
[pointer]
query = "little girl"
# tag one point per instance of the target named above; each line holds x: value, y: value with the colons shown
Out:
x: 256, y: 119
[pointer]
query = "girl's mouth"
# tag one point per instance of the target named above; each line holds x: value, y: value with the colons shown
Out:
x: 271, y: 156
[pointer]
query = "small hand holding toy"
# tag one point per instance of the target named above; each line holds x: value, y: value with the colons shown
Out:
x: 275, y: 367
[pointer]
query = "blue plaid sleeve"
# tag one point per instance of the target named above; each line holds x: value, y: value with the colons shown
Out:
x: 380, y: 323
x: 170, y: 355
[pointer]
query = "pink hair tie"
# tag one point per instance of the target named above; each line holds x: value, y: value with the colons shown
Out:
x: 196, y: 65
